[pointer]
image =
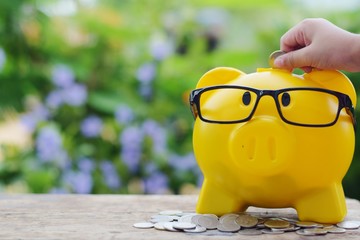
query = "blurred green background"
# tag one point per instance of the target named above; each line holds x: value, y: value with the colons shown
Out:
x: 93, y: 94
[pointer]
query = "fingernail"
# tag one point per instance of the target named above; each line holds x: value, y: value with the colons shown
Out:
x: 279, y: 62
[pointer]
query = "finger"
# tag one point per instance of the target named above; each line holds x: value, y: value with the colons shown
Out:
x: 295, y: 38
x: 294, y: 59
x: 307, y: 69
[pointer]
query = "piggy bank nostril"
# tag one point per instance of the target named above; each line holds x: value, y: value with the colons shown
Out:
x: 272, y: 149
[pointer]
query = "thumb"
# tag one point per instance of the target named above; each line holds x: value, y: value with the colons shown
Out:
x: 294, y: 59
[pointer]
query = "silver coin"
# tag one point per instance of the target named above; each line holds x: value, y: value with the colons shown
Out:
x: 161, y: 218
x: 348, y: 225
x: 222, y: 227
x: 303, y: 233
x: 183, y: 225
x: 211, y: 215
x: 271, y: 231
x: 208, y: 221
x: 169, y: 227
x: 197, y: 229
x: 186, y: 218
x: 216, y: 233
x: 185, y: 213
x: 195, y: 219
x: 143, y: 225
x: 335, y: 230
x: 159, y: 226
x: 230, y: 217
x: 249, y: 232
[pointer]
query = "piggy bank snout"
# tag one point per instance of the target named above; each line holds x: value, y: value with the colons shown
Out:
x: 262, y: 146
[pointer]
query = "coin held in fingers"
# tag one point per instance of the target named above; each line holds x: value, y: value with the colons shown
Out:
x: 273, y: 56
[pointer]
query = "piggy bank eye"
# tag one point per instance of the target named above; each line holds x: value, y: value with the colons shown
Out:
x: 285, y: 99
x: 246, y: 98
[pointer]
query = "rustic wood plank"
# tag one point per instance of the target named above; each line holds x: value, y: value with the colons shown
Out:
x: 112, y: 217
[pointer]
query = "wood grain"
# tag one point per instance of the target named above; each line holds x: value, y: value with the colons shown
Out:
x: 112, y: 217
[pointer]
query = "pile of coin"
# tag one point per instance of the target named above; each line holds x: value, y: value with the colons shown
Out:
x: 239, y: 223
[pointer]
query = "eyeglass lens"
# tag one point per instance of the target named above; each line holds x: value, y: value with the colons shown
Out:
x: 297, y: 106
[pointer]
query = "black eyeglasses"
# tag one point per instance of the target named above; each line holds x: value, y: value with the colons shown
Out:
x: 309, y: 107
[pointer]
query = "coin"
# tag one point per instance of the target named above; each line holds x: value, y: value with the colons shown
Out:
x: 159, y: 226
x: 302, y: 232
x: 306, y: 224
x: 335, y: 230
x: 290, y: 220
x: 143, y: 225
x: 232, y: 227
x: 273, y: 56
x: 277, y: 224
x: 186, y: 218
x: 250, y: 232
x: 228, y: 218
x: 271, y: 231
x: 208, y: 221
x: 291, y: 228
x: 161, y: 218
x: 169, y: 227
x: 183, y: 225
x: 348, y: 225
x: 197, y: 229
x: 195, y: 219
x: 246, y: 221
x: 315, y: 231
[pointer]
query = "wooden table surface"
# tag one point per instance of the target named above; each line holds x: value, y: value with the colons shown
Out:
x: 112, y: 217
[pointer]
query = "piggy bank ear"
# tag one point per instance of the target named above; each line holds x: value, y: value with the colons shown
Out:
x: 218, y: 76
x: 333, y: 80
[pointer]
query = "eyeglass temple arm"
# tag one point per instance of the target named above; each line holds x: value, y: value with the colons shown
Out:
x: 350, y: 110
x: 193, y: 107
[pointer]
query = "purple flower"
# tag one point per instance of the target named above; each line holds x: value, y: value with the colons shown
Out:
x: 79, y: 182
x: 49, y: 146
x: 183, y: 163
x: 110, y: 175
x: 31, y: 119
x: 2, y: 59
x: 124, y: 114
x: 62, y: 76
x: 158, y: 135
x: 75, y: 94
x: 160, y: 48
x: 86, y: 165
x: 146, y: 73
x: 91, y: 126
x: 157, y: 183
x: 150, y: 168
x: 131, y: 147
x: 55, y: 99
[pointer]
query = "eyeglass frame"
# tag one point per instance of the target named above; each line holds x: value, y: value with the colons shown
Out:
x: 344, y: 102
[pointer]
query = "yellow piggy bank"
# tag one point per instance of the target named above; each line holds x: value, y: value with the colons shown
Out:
x: 274, y: 139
